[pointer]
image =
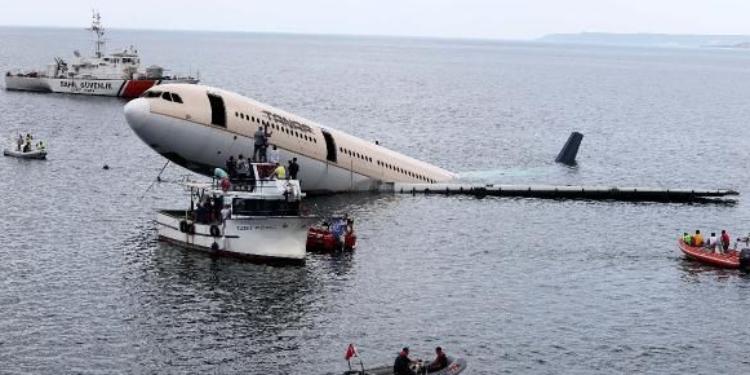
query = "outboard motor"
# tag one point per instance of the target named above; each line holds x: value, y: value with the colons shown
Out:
x: 745, y: 259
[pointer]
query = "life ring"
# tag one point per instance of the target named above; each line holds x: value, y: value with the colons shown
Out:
x: 214, y: 246
x: 215, y: 232
x: 191, y: 229
x: 183, y: 226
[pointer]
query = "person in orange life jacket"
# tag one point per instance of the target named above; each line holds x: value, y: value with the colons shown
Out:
x: 697, y: 239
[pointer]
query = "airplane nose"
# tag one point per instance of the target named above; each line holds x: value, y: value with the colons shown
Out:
x: 136, y: 113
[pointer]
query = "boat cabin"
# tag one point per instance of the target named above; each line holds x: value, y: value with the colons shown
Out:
x: 249, y: 195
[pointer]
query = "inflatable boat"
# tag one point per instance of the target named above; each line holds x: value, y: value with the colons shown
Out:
x: 455, y: 366
x: 335, y: 234
x: 33, y: 154
x: 731, y: 259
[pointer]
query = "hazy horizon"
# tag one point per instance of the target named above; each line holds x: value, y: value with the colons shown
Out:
x: 471, y: 19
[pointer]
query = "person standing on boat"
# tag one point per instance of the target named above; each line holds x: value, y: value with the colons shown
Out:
x: 260, y: 140
x: 725, y: 239
x: 231, y: 167
x: 273, y: 155
x: 242, y: 168
x: 293, y: 168
x: 279, y: 173
x: 20, y: 142
x: 713, y: 243
x: 402, y: 365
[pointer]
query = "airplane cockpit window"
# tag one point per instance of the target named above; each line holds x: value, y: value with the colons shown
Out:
x: 176, y: 98
x: 166, y: 96
x: 151, y: 94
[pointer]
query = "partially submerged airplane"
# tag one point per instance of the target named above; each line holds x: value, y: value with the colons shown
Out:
x: 199, y: 127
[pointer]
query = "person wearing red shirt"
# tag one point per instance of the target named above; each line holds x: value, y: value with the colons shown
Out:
x: 725, y: 240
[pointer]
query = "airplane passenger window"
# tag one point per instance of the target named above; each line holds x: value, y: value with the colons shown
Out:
x: 176, y: 98
x: 166, y: 96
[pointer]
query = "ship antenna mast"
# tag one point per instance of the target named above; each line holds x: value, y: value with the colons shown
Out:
x: 98, y: 29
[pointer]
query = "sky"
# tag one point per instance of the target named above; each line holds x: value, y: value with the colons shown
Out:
x: 484, y: 19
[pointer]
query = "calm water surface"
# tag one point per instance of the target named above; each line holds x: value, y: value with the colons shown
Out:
x: 516, y: 286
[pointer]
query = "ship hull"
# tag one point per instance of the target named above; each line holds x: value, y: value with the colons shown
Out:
x: 124, y: 88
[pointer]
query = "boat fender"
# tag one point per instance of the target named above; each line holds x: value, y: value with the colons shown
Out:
x: 215, y: 232
x: 191, y: 229
x: 214, y: 246
x: 745, y: 259
x: 183, y: 226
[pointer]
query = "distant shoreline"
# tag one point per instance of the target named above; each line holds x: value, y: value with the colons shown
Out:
x: 650, y: 40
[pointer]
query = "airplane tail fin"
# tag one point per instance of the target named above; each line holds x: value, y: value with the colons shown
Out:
x: 568, y: 153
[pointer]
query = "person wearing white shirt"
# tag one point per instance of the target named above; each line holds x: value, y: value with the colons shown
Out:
x: 712, y: 242
x: 273, y: 155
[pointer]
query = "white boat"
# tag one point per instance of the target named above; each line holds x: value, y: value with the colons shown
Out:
x: 114, y: 74
x: 33, y: 154
x: 264, y: 222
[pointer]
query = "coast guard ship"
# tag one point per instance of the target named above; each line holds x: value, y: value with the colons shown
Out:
x: 113, y: 74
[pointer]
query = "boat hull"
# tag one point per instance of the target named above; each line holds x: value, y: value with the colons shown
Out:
x: 36, y: 154
x: 729, y: 260
x: 124, y: 88
x: 266, y: 239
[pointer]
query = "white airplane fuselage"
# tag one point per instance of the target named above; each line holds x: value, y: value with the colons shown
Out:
x: 199, y: 127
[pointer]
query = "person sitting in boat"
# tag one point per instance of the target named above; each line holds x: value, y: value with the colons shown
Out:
x: 725, y: 239
x: 402, y: 365
x: 697, y: 239
x: 687, y: 239
x: 27, y: 147
x: 713, y: 243
x: 279, y: 173
x: 440, y: 362
x: 40, y: 146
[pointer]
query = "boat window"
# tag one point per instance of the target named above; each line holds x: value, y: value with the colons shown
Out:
x: 165, y: 95
x: 176, y: 98
x: 264, y: 207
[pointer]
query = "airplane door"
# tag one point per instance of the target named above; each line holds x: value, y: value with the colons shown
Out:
x: 218, y: 112
x: 330, y: 146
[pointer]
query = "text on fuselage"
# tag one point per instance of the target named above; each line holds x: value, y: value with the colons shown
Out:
x: 284, y: 121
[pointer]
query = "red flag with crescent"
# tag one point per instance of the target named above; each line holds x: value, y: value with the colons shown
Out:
x: 351, y: 351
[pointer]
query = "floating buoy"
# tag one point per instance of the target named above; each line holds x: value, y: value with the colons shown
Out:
x: 105, y: 167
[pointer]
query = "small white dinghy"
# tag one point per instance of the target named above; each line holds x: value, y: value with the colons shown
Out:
x: 33, y: 154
